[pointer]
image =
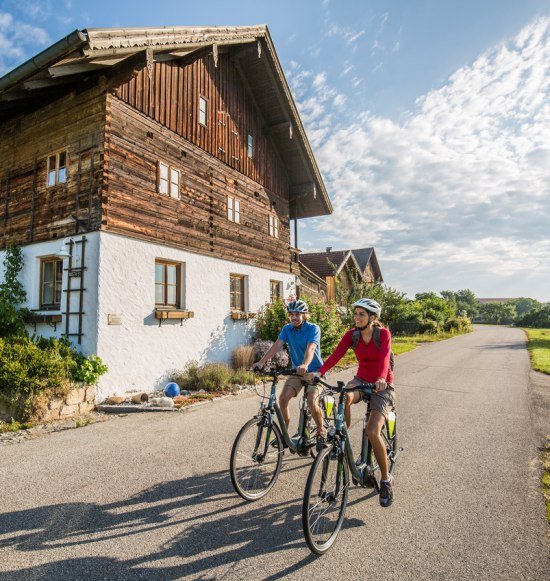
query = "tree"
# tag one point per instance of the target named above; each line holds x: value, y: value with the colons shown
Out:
x: 498, y: 313
x: 524, y: 305
x: 539, y: 318
x: 466, y: 301
x: 12, y: 295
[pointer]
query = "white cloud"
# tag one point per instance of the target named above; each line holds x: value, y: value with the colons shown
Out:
x: 17, y: 39
x: 459, y: 193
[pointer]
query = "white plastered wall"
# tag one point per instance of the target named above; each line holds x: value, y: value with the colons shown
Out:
x: 139, y: 352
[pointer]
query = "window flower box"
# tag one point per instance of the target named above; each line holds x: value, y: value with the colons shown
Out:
x: 240, y: 315
x: 181, y: 314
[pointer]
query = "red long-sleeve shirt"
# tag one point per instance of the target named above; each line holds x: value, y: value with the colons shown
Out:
x: 373, y: 362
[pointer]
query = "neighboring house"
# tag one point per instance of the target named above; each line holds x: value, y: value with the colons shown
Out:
x: 311, y: 286
x: 152, y: 176
x: 342, y: 266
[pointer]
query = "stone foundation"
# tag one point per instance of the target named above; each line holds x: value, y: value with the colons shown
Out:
x: 80, y: 400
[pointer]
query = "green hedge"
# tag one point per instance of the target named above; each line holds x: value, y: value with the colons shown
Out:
x: 35, y: 370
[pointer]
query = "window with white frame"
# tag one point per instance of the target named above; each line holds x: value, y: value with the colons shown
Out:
x: 250, y: 146
x: 233, y: 210
x: 51, y: 276
x: 168, y: 180
x: 203, y: 111
x: 274, y: 226
x: 57, y: 169
x: 168, y: 283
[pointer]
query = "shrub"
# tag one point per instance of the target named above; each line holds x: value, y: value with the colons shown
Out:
x: 281, y: 359
x: 12, y: 294
x: 273, y: 317
x: 458, y: 325
x: 538, y: 318
x: 428, y: 327
x: 243, y: 357
x: 29, y: 376
x: 243, y: 377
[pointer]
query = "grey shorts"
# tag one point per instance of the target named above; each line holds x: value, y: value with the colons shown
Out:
x: 382, y: 401
x: 295, y: 382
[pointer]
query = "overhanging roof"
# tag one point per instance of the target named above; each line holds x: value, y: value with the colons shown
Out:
x: 84, y: 54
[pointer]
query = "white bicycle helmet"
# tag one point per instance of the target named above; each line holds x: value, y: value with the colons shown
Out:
x: 297, y: 307
x: 369, y: 305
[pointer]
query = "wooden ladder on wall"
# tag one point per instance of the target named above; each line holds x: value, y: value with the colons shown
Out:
x: 75, y: 273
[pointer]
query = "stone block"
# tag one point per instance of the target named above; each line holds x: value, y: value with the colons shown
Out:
x: 52, y: 414
x: 75, y: 396
x: 68, y: 411
x: 85, y: 407
x: 90, y: 393
x: 55, y: 404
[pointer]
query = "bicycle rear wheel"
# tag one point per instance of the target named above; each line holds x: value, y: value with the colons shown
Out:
x: 256, y: 459
x: 325, y: 500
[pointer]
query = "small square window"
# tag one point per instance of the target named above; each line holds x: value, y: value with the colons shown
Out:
x: 233, y: 210
x: 236, y: 292
x: 174, y: 183
x: 51, y: 277
x: 276, y: 290
x: 168, y: 284
x: 274, y: 226
x: 57, y: 169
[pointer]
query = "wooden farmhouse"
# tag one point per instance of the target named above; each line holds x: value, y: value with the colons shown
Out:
x: 154, y: 178
x: 342, y: 267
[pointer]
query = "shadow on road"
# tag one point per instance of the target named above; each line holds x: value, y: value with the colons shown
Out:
x: 211, y: 530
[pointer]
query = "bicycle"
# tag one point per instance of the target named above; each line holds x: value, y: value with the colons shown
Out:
x: 326, y: 492
x: 257, y: 453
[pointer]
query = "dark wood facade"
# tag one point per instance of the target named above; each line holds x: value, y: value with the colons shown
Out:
x: 29, y: 210
x: 120, y: 102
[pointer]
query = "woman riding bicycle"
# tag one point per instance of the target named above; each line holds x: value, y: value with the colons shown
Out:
x: 374, y: 367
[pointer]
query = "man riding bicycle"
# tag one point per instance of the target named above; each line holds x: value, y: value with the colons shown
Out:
x: 303, y: 339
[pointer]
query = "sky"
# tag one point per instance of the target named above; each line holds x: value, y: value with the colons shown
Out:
x: 429, y: 120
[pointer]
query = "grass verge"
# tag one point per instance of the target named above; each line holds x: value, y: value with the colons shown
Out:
x: 538, y: 345
x: 545, y: 459
x: 400, y: 344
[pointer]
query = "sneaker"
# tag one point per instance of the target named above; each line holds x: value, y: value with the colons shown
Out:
x: 386, y: 493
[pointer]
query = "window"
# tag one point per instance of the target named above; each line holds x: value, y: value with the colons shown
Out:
x: 250, y: 146
x: 57, y: 169
x: 203, y: 109
x: 274, y: 226
x: 236, y: 292
x: 51, y: 276
x: 174, y: 183
x: 168, y: 180
x: 167, y: 284
x: 233, y: 210
x: 276, y: 287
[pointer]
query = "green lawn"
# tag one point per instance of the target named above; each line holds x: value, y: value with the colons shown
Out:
x: 539, y: 349
x: 399, y: 345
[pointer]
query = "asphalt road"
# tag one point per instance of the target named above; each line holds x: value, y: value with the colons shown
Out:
x: 148, y: 496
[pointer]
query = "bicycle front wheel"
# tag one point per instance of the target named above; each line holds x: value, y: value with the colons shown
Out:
x: 325, y: 500
x: 256, y: 459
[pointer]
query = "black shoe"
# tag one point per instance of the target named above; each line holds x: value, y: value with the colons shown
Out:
x: 386, y: 493
x: 321, y: 443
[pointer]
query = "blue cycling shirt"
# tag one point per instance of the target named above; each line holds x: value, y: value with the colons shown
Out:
x: 297, y: 341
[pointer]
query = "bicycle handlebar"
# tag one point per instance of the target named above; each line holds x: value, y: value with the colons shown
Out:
x: 366, y: 388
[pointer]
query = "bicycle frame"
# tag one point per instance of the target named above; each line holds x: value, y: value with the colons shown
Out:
x: 272, y: 407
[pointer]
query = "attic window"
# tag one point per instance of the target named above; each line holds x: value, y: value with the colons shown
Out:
x: 57, y: 169
x: 203, y: 110
x: 274, y: 226
x: 250, y: 146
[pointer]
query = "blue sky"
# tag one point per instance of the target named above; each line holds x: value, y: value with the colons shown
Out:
x: 429, y: 120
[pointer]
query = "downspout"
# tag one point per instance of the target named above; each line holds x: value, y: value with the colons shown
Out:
x: 71, y: 42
